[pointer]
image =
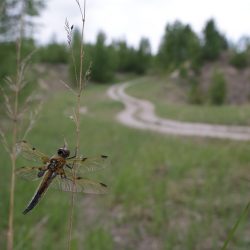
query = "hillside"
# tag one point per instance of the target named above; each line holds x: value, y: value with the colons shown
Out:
x: 237, y: 81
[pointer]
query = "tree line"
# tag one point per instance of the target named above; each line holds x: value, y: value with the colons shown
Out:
x: 180, y: 46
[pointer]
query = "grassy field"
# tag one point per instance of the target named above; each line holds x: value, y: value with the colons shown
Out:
x: 170, y: 100
x: 165, y: 192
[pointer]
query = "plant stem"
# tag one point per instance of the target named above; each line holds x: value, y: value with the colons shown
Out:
x: 77, y: 121
x: 10, y: 233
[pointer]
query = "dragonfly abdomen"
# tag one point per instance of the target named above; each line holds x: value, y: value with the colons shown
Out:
x: 50, y: 175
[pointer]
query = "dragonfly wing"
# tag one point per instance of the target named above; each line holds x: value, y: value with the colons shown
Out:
x: 87, y: 164
x: 31, y: 153
x: 82, y: 185
x: 29, y: 173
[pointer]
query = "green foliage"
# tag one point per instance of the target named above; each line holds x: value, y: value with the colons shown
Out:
x: 179, y: 44
x: 103, y: 61
x: 159, y: 91
x: 125, y: 56
x: 130, y: 60
x: 7, y: 59
x: 11, y: 12
x: 53, y: 53
x: 239, y: 60
x: 170, y: 180
x: 98, y: 239
x: 214, y: 42
x: 74, y: 64
x: 143, y: 57
x: 218, y: 90
x: 8, y: 56
x: 98, y: 58
x: 195, y: 95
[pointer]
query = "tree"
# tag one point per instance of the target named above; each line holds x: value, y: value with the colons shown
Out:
x: 15, y: 22
x: 143, y: 56
x: 179, y: 44
x: 74, y: 64
x: 214, y: 42
x: 103, y: 64
x: 125, y: 56
x: 12, y: 11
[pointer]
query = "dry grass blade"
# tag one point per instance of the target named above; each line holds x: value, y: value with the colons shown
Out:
x: 10, y: 83
x: 68, y: 87
x: 33, y: 119
x: 4, y: 142
x: 9, y: 109
x: 69, y: 31
x: 14, y: 113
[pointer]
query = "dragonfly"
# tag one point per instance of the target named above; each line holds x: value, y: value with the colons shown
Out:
x: 58, y: 172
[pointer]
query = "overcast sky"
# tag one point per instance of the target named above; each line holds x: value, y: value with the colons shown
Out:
x: 133, y: 19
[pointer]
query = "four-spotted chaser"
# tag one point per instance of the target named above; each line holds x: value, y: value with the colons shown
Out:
x: 57, y: 172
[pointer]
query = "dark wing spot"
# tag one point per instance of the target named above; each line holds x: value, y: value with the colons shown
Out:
x: 78, y: 178
x: 33, y: 148
x: 24, y: 141
x: 84, y: 159
x: 104, y: 185
x: 104, y: 156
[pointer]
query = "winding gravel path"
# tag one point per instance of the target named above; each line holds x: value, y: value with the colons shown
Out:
x: 141, y: 114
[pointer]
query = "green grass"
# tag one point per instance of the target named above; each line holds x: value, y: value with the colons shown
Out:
x: 180, y: 193
x: 170, y: 102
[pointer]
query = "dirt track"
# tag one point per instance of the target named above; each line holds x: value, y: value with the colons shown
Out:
x: 140, y: 114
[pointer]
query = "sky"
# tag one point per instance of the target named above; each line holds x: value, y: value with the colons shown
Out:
x: 132, y: 20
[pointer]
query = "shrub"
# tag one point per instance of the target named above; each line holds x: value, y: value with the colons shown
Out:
x: 217, y: 91
x: 239, y: 60
x: 195, y: 95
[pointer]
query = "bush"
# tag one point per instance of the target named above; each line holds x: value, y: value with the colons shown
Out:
x: 239, y: 60
x: 195, y: 95
x: 217, y: 91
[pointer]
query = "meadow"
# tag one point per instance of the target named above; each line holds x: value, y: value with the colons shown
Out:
x: 165, y: 192
x: 170, y: 99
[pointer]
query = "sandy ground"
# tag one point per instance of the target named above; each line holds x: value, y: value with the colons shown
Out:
x: 140, y: 114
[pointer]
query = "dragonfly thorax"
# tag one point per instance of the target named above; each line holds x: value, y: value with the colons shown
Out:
x: 53, y: 164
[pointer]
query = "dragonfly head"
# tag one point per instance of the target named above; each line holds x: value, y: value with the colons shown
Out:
x: 63, y: 152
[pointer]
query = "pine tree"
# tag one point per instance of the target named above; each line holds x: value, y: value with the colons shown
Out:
x: 214, y: 42
x: 179, y: 44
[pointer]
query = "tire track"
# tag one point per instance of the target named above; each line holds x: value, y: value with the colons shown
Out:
x: 140, y: 114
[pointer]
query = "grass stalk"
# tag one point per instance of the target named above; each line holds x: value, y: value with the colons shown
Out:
x: 236, y: 225
x: 80, y: 87
x: 10, y: 233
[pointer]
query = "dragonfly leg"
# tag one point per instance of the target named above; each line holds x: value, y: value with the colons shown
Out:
x: 62, y: 173
x: 72, y: 157
x: 68, y: 166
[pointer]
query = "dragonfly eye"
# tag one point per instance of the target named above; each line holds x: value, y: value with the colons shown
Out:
x: 63, y: 152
